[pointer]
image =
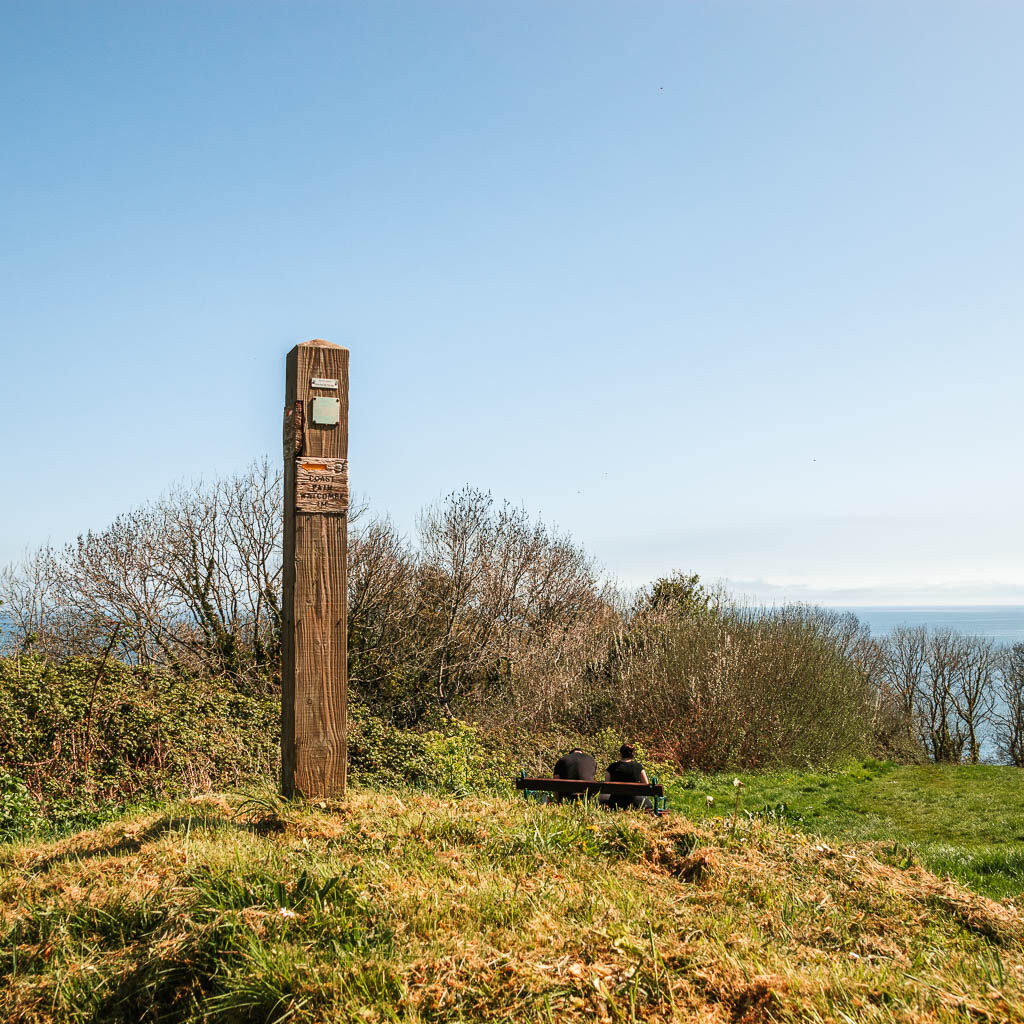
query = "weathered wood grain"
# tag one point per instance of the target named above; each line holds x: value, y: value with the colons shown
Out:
x: 293, y: 430
x: 314, y: 681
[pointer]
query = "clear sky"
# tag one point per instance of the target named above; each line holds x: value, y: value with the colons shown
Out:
x: 728, y: 287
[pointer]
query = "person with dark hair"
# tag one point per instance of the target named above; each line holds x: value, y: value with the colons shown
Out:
x: 627, y: 769
x: 575, y: 765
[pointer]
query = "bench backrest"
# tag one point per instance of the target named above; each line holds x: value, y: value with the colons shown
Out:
x: 578, y: 786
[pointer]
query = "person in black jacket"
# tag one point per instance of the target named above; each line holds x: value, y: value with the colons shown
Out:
x: 627, y: 769
x: 575, y: 765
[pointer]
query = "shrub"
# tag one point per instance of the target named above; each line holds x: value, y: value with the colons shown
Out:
x: 728, y: 687
x: 82, y: 733
x: 450, y: 759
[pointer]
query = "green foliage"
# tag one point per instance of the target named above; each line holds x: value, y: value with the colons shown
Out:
x: 84, y: 736
x: 680, y: 593
x: 19, y: 814
x: 451, y: 759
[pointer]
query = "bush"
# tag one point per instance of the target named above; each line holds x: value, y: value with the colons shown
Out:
x: 83, y: 734
x: 720, y: 687
x: 452, y: 759
x: 81, y: 738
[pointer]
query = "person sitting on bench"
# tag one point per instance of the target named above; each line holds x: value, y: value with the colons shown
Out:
x: 627, y: 769
x: 575, y: 765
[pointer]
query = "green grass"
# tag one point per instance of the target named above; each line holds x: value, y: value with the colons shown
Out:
x: 964, y: 821
x: 406, y: 907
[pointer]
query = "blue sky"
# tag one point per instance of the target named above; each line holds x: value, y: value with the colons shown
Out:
x: 733, y: 288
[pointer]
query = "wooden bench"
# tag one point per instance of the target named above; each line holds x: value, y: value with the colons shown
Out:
x: 541, y: 789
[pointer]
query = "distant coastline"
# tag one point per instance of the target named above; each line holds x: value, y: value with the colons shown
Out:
x: 1003, y: 623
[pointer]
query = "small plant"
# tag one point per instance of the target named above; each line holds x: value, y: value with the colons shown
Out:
x: 261, y: 814
x: 18, y: 812
x: 450, y: 760
x: 737, y: 785
x: 899, y: 855
x: 778, y: 813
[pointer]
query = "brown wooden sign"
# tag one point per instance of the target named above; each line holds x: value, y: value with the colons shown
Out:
x: 321, y: 485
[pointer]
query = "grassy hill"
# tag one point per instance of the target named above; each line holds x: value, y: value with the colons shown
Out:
x: 416, y: 908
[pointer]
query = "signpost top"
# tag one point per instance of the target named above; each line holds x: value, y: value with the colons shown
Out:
x: 320, y: 343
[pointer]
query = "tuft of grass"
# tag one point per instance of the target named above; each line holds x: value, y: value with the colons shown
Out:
x: 407, y: 907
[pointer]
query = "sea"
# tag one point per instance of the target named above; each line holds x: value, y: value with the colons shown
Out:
x: 1003, y: 623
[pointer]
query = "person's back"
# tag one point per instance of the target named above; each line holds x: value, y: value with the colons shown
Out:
x: 576, y: 765
x: 626, y: 769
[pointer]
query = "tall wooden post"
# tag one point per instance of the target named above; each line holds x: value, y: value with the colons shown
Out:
x: 314, y: 677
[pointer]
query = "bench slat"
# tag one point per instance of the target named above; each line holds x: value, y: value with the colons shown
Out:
x: 577, y: 786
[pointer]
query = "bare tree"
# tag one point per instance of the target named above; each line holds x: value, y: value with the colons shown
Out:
x: 218, y: 553
x: 190, y: 580
x: 1010, y: 719
x: 381, y: 619
x: 906, y: 673
x: 942, y: 730
x: 498, y: 595
x: 29, y: 604
x: 973, y: 694
x: 106, y: 580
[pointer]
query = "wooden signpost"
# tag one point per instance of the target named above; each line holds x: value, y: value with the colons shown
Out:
x: 314, y: 676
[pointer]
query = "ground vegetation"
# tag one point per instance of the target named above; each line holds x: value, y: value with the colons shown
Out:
x: 407, y: 907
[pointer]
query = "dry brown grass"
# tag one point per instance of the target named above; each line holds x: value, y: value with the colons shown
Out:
x: 421, y: 909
